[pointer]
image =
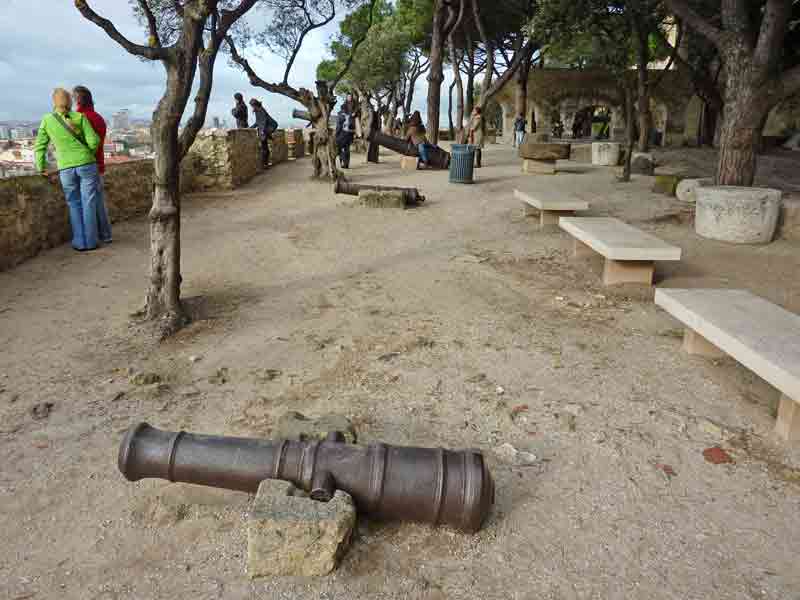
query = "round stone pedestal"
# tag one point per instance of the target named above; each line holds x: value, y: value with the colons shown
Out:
x: 740, y: 215
x: 687, y: 188
x: 605, y: 154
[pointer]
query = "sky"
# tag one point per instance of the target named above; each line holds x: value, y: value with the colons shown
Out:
x: 47, y: 43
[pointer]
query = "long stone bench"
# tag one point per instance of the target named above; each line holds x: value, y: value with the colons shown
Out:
x: 550, y: 209
x: 763, y: 337
x: 629, y: 252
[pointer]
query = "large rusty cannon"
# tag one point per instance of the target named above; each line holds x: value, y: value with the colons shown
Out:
x: 438, y: 158
x: 411, y: 196
x: 429, y: 485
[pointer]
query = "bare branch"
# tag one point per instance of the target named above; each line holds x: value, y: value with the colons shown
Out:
x: 696, y: 22
x: 152, y: 26
x: 148, y: 52
x: 282, y: 88
x: 654, y: 84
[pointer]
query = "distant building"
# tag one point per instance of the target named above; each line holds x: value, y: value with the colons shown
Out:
x: 21, y: 133
x: 121, y: 120
x: 215, y: 123
x: 5, y: 132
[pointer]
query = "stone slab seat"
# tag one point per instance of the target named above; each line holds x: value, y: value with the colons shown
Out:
x: 630, y: 253
x: 550, y: 208
x: 760, y: 335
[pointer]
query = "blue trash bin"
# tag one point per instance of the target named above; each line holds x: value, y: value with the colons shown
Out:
x: 462, y: 160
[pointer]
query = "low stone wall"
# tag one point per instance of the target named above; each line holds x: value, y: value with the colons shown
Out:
x: 278, y: 148
x: 224, y: 160
x: 296, y: 143
x: 33, y: 212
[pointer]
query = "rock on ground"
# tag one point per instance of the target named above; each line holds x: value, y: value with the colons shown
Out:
x: 289, y: 535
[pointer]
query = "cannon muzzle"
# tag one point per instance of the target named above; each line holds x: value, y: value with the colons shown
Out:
x: 303, y: 115
x: 429, y: 485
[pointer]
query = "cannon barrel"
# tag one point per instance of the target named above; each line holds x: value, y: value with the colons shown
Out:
x: 429, y: 485
x: 303, y: 115
x: 438, y: 158
x: 410, y: 195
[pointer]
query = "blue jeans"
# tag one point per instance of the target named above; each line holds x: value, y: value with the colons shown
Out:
x: 519, y: 137
x: 81, y: 188
x: 103, y: 222
x: 423, y: 152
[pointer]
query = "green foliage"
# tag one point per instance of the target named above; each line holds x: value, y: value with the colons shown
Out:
x: 381, y: 59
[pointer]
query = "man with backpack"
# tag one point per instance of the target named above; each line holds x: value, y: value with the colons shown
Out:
x: 76, y: 144
x: 345, y: 132
x: 266, y: 126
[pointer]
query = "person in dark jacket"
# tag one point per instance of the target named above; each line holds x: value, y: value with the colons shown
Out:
x: 266, y: 126
x: 345, y: 132
x: 239, y: 111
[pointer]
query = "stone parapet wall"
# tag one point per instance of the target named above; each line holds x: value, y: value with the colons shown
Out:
x: 33, y: 212
x: 224, y: 160
x: 296, y: 143
x: 278, y: 148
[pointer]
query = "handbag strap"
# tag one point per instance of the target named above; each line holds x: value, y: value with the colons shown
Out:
x: 70, y: 130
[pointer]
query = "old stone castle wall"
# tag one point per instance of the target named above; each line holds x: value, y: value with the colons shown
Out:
x: 33, y: 212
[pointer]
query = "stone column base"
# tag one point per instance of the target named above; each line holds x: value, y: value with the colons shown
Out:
x: 581, y: 250
x: 539, y: 167
x: 409, y: 163
x: 628, y: 271
x: 788, y: 424
x: 694, y: 343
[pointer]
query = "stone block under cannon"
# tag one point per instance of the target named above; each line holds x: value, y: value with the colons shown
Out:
x: 438, y: 158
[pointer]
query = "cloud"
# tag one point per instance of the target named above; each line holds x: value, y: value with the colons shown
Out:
x: 47, y: 43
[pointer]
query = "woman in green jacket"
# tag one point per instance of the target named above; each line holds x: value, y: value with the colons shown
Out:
x: 76, y: 143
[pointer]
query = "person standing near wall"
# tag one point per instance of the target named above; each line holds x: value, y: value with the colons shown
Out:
x: 345, y: 132
x: 266, y: 126
x: 76, y: 144
x: 519, y: 130
x: 85, y: 105
x: 477, y: 128
x: 239, y: 111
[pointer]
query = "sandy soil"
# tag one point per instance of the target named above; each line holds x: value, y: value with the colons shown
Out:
x: 500, y: 338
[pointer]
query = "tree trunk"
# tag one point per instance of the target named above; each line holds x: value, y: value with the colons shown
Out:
x: 436, y: 73
x: 629, y: 134
x: 450, y: 127
x: 645, y: 116
x: 744, y: 115
x: 458, y: 82
x: 163, y: 302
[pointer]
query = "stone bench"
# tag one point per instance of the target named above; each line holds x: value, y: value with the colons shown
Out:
x: 551, y: 209
x: 629, y: 252
x: 760, y: 335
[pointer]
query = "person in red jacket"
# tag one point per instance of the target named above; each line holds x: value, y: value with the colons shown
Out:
x: 85, y: 105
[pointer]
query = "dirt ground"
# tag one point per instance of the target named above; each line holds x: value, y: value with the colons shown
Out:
x: 457, y: 324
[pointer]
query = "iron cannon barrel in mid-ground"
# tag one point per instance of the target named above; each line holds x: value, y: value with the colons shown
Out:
x: 437, y: 157
x: 430, y: 485
x: 410, y: 195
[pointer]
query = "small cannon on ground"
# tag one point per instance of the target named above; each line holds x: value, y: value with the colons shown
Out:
x: 438, y: 158
x: 429, y: 485
x: 411, y: 196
